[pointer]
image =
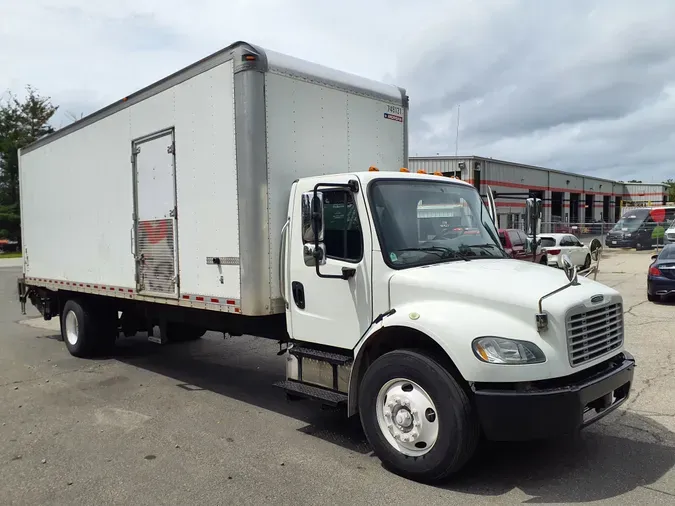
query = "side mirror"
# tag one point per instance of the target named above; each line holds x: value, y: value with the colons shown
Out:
x: 570, y: 269
x: 532, y: 216
x: 314, y: 251
x: 654, y: 257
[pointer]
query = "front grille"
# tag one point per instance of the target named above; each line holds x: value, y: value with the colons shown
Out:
x: 670, y: 236
x: 592, y: 334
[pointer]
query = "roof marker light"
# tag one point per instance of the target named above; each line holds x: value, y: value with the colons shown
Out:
x: 438, y: 173
x: 372, y: 168
x: 421, y: 171
x: 403, y: 169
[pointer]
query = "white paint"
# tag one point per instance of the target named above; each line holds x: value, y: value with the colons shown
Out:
x: 77, y: 216
x: 460, y: 301
x: 316, y: 130
x: 295, y: 66
x: 338, y: 312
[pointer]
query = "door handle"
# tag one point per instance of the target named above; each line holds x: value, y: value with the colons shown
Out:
x: 298, y: 294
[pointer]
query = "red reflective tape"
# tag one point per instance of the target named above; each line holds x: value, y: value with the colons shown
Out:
x: 121, y: 289
x: 187, y: 297
x: 230, y: 302
x: 130, y: 290
x: 96, y: 286
x: 200, y: 299
x: 215, y: 300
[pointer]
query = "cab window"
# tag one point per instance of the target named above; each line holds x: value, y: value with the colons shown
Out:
x: 343, y: 238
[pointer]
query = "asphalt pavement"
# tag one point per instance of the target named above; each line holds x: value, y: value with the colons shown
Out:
x: 201, y: 423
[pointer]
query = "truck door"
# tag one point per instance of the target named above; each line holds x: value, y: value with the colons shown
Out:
x: 330, y: 310
x: 155, y: 214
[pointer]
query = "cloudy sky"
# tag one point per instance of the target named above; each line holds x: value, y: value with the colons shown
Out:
x: 581, y: 85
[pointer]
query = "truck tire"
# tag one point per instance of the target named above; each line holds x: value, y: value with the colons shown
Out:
x: 87, y: 331
x: 182, y: 332
x: 418, y: 419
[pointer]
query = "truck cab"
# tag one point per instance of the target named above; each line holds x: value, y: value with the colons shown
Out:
x: 437, y: 339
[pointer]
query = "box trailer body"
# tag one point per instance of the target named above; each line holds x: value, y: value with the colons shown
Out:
x: 177, y: 194
x: 254, y: 193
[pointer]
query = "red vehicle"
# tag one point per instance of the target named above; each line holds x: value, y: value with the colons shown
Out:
x: 515, y: 243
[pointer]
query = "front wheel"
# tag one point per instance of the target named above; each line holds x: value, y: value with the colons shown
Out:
x: 416, y: 416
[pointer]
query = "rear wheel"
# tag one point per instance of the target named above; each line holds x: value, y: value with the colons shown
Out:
x: 416, y: 416
x: 587, y: 262
x: 86, y: 329
x: 182, y: 332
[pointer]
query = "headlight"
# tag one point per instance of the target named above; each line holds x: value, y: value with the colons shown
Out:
x: 497, y: 350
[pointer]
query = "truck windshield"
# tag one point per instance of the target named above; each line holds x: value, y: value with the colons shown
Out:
x: 631, y: 221
x: 423, y: 222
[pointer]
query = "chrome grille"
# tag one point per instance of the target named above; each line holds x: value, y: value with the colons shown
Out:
x: 594, y: 333
x: 670, y: 236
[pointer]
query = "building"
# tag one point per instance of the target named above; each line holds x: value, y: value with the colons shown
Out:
x: 567, y: 197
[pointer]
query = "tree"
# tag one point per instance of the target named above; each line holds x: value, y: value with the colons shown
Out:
x: 22, y: 121
x: 671, y: 189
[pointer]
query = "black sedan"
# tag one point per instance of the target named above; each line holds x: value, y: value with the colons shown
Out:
x: 661, y: 276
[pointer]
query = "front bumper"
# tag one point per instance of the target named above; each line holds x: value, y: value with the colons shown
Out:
x: 620, y: 242
x: 543, y: 409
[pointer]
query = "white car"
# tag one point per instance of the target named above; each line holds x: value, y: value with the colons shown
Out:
x: 557, y: 245
x: 669, y: 236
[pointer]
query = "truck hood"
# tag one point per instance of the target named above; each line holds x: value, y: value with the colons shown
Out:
x: 501, y: 283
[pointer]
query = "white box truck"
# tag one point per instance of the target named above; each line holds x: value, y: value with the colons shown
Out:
x: 255, y: 193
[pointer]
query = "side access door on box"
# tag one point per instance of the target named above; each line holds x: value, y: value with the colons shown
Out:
x: 155, y: 214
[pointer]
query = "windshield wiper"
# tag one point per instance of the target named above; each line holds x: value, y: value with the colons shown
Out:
x: 443, y: 252
x: 484, y: 246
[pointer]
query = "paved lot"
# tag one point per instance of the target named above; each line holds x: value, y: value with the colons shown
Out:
x: 201, y: 424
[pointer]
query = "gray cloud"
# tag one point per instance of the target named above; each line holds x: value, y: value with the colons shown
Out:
x: 575, y: 85
x: 582, y: 85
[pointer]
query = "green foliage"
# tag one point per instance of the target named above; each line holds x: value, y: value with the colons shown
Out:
x: 22, y: 121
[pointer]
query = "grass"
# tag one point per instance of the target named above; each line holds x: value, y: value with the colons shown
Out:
x: 10, y: 255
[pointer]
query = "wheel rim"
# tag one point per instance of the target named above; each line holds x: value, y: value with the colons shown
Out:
x: 72, y: 328
x: 407, y: 417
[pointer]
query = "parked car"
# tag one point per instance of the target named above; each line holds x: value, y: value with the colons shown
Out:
x: 557, y: 245
x: 661, y: 275
x: 517, y: 245
x: 669, y: 236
